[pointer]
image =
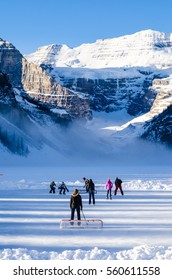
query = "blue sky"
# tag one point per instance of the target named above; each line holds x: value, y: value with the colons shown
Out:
x: 29, y: 24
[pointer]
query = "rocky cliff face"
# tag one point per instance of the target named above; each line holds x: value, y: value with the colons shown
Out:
x: 163, y: 88
x: 34, y: 81
x: 11, y: 62
x: 42, y: 87
x: 132, y: 94
x: 159, y: 128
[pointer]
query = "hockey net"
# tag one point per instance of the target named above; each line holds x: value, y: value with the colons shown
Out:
x: 88, y: 223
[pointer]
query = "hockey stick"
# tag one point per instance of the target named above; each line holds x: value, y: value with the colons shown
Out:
x: 84, y: 217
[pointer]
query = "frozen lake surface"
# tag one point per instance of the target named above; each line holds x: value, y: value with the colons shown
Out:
x: 137, y: 225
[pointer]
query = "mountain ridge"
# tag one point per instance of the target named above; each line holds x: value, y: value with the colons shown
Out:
x: 137, y: 49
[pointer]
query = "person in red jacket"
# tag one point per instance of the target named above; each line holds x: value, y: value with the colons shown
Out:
x: 118, y: 185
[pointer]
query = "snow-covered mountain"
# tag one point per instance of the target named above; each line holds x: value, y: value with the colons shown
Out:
x: 145, y: 48
x: 124, y: 83
x: 119, y: 73
x: 115, y: 73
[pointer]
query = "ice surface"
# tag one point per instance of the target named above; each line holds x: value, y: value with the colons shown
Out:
x: 135, y: 226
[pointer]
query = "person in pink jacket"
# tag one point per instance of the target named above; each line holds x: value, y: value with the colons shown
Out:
x: 109, y: 186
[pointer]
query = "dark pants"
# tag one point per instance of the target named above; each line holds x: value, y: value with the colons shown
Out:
x: 91, y: 195
x: 118, y: 187
x: 73, y: 212
x: 52, y: 190
x: 62, y: 190
x: 109, y: 192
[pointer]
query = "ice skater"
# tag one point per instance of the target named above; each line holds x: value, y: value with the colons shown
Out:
x: 91, y: 191
x: 109, y: 186
x: 63, y: 188
x: 118, y: 185
x: 52, y: 187
x: 76, y: 204
x: 86, y: 181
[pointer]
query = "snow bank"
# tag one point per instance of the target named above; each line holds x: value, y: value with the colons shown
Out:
x: 127, y: 185
x: 148, y: 185
x: 143, y: 252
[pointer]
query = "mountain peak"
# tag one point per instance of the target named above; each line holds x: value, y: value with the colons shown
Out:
x: 47, y: 54
x: 51, y: 48
x: 5, y: 44
x: 152, y: 35
x: 149, y: 32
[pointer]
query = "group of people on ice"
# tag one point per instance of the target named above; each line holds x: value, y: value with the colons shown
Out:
x: 90, y: 188
x: 76, y: 199
x: 109, y: 186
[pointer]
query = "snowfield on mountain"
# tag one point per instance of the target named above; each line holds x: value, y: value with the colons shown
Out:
x: 144, y: 48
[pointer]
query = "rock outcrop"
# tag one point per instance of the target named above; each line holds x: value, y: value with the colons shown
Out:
x: 159, y: 128
x: 163, y: 88
x: 11, y: 63
x: 42, y: 87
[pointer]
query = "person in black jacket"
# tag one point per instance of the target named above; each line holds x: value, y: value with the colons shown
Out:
x: 63, y: 188
x: 118, y: 185
x: 76, y: 204
x: 86, y: 181
x: 91, y: 190
x: 52, y: 187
